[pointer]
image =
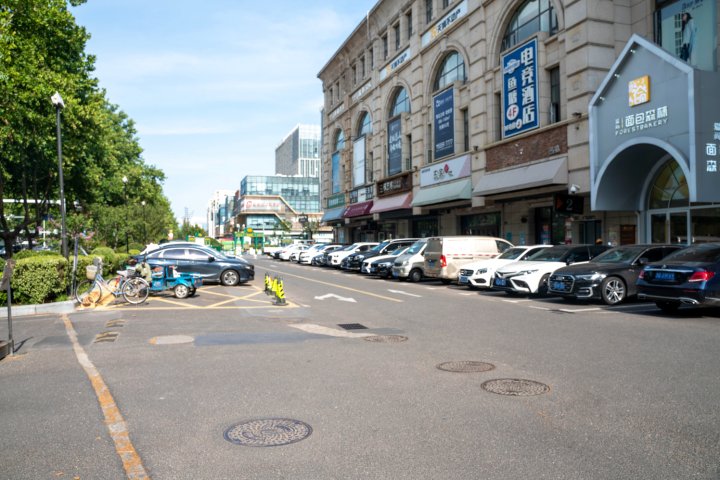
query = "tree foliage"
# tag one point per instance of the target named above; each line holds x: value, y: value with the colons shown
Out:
x: 42, y: 51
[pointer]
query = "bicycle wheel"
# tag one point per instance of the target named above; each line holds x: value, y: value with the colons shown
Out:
x: 135, y: 290
x: 87, y: 292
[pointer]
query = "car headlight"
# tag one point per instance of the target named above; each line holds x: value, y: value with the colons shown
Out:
x: 360, y: 257
x: 480, y: 271
x: 527, y: 272
x: 591, y: 277
x: 385, y: 264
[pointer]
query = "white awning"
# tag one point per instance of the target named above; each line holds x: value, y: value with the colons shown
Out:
x: 551, y: 172
x: 445, y: 192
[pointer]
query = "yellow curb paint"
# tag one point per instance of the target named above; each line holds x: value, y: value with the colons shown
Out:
x: 114, y: 421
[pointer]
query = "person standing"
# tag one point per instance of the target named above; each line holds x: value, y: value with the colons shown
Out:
x: 688, y: 37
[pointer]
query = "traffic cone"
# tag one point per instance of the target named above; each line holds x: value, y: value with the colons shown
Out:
x: 267, y: 284
x: 273, y: 286
x: 280, y: 294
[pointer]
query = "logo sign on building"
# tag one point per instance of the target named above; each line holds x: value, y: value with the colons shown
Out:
x: 445, y: 171
x: 444, y: 123
x: 639, y: 91
x: 257, y: 205
x: 335, y: 172
x: 395, y: 64
x: 520, y: 89
x: 394, y: 147
x: 446, y: 22
x: 359, y: 161
x: 335, y: 201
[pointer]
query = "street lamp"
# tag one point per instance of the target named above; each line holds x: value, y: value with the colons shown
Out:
x: 127, y: 243
x: 144, y: 223
x: 59, y: 105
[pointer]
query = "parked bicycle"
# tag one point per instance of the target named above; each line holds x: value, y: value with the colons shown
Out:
x: 132, y: 288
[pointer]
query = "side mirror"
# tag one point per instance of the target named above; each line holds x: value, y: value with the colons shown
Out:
x: 643, y: 261
x: 211, y: 258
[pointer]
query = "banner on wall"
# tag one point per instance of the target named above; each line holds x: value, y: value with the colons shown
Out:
x: 520, y: 89
x: 394, y: 147
x: 336, y: 172
x: 443, y: 113
x: 688, y: 31
x: 359, y: 161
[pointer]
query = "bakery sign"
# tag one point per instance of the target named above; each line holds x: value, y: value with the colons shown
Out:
x: 393, y: 185
x: 255, y: 205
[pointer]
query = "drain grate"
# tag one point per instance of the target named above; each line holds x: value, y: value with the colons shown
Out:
x: 352, y: 326
x: 268, y: 432
x: 106, y: 337
x: 466, y: 366
x: 115, y: 323
x: 386, y: 339
x: 515, y: 387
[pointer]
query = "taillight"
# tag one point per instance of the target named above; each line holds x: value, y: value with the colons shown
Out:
x: 443, y: 261
x: 701, y: 276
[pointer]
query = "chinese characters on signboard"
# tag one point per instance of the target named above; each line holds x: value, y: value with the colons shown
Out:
x: 520, y: 89
x: 446, y: 22
x: 444, y: 124
x: 394, y: 147
x: 635, y: 122
x: 711, y: 150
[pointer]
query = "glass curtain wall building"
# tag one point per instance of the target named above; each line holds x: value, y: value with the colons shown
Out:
x: 299, y: 152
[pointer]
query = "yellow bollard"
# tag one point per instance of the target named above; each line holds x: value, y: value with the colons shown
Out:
x: 280, y: 294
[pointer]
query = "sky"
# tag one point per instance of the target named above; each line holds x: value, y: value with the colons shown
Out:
x: 214, y: 86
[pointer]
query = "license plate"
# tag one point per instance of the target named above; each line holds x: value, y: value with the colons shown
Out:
x: 431, y: 263
x: 664, y: 276
x: 559, y: 286
x: 462, y: 279
x: 500, y: 282
x: 396, y: 274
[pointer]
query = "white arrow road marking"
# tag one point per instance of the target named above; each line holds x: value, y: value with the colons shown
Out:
x: 404, y: 293
x: 332, y: 295
x: 333, y: 332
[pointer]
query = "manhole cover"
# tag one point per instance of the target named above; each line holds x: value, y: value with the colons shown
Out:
x: 515, y: 387
x: 268, y: 432
x: 352, y: 326
x: 466, y: 366
x: 386, y: 338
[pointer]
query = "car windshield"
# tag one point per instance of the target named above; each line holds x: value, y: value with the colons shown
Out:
x: 379, y: 246
x: 618, y: 255
x: 416, y: 247
x: 512, y: 253
x: 553, y: 254
x: 705, y: 252
x: 398, y: 250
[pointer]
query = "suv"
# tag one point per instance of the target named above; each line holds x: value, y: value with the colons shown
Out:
x: 531, y: 275
x: 335, y: 258
x: 355, y: 260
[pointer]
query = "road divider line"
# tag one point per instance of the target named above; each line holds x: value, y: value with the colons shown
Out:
x: 114, y: 420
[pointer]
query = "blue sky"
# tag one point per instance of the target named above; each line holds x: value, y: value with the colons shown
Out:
x: 214, y: 86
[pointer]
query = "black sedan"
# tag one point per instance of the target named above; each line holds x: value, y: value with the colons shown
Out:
x: 610, y: 276
x: 687, y: 277
x: 211, y: 265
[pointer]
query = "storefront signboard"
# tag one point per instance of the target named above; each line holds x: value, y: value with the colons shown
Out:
x: 445, y: 22
x: 520, y: 89
x: 336, y: 201
x: 394, y: 185
x: 394, y: 147
x: 446, y: 171
x: 395, y: 64
x: 443, y: 111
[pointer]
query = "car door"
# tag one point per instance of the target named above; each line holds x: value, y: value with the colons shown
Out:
x: 198, y: 261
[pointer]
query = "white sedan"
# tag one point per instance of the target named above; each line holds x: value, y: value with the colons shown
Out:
x: 480, y: 274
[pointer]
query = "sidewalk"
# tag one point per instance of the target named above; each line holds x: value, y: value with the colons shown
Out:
x: 27, y: 310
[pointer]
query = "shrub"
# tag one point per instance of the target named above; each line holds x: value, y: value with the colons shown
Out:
x: 39, y: 279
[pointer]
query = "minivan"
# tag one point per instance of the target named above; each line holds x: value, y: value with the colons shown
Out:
x: 411, y: 264
x: 445, y: 255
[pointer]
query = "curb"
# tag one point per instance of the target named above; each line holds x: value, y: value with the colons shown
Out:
x: 28, y: 310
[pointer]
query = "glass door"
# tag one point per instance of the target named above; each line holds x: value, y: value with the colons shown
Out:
x: 669, y: 227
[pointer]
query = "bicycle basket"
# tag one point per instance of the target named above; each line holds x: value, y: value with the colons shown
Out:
x: 91, y: 272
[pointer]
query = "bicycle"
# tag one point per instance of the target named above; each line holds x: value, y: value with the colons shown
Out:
x: 134, y: 289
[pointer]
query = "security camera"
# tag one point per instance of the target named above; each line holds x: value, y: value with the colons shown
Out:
x: 573, y: 189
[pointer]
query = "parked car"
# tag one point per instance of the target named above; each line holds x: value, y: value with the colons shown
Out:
x: 610, y: 277
x: 690, y: 276
x: 381, y: 265
x: 354, y: 261
x: 411, y: 264
x: 285, y: 252
x: 480, y: 274
x: 321, y: 258
x: 295, y: 254
x: 444, y: 256
x: 335, y: 258
x: 213, y: 266
x: 531, y: 276
x: 306, y: 255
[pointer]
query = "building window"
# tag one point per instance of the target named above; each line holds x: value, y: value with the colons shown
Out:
x: 385, y: 46
x: 371, y: 54
x: 365, y: 125
x: 396, y: 31
x: 452, y: 69
x: 466, y: 129
x: 354, y: 75
x: 401, y: 103
x: 532, y: 16
x: 408, y: 21
x: 339, y: 140
x: 428, y: 11
x: 362, y: 67
x: 446, y: 3
x: 554, y: 95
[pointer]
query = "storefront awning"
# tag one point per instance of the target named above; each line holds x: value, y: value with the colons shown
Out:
x: 358, y: 209
x: 396, y: 202
x: 445, y: 192
x: 551, y: 172
x: 332, y: 214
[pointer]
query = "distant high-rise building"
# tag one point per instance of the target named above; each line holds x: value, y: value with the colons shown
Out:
x: 217, y: 214
x: 299, y: 152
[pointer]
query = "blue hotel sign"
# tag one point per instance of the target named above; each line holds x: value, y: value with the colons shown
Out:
x: 520, y: 89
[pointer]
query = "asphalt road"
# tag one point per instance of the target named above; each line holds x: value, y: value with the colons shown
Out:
x: 167, y: 390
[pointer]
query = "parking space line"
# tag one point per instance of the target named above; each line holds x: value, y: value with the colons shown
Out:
x: 174, y: 302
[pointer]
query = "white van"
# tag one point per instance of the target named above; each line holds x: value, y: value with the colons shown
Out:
x: 411, y: 264
x: 445, y: 255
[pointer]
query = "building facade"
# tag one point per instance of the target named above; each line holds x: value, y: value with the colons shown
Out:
x: 487, y: 117
x: 217, y: 215
x: 299, y: 152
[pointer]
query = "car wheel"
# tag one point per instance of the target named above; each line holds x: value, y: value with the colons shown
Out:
x: 229, y: 278
x: 543, y: 285
x: 445, y: 281
x: 415, y: 275
x: 181, y: 291
x: 613, y: 290
x: 668, y: 307
x: 193, y: 291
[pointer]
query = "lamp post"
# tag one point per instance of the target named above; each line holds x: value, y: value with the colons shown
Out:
x: 127, y: 243
x: 144, y: 223
x: 59, y: 105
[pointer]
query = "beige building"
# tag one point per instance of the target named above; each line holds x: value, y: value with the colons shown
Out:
x: 474, y: 117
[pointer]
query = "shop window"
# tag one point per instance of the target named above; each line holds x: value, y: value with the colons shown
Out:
x: 452, y: 69
x: 532, y: 16
x: 482, y: 224
x: 669, y: 188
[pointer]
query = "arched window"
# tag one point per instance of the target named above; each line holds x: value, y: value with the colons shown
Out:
x: 339, y: 140
x: 364, y: 125
x: 453, y: 68
x: 670, y: 188
x: 532, y: 16
x: 401, y: 103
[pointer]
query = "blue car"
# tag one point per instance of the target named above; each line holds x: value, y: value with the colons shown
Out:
x: 690, y: 276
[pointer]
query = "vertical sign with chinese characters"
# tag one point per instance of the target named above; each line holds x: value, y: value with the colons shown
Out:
x: 336, y: 172
x: 444, y: 124
x: 711, y: 150
x: 394, y: 147
x: 520, y: 89
x: 359, y: 161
